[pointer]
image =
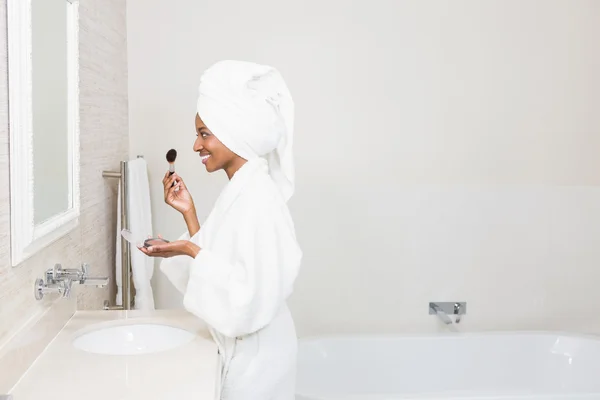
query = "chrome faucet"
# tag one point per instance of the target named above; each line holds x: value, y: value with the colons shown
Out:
x: 81, y: 276
x: 59, y: 280
x: 444, y: 309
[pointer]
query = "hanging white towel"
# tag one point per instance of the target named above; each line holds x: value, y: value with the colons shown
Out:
x: 140, y: 224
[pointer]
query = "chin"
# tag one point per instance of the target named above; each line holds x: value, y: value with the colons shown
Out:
x: 210, y: 168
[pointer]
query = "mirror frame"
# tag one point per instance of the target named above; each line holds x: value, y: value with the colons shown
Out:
x: 26, y: 237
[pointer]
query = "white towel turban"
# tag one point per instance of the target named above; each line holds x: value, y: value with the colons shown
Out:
x: 249, y: 108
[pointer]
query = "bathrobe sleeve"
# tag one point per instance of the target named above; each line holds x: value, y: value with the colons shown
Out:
x: 242, y: 292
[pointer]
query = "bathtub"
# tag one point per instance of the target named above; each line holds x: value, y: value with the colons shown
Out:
x: 512, y: 365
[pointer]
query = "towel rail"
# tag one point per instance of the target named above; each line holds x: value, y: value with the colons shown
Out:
x: 126, y: 286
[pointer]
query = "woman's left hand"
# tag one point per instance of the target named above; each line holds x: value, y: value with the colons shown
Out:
x: 172, y: 249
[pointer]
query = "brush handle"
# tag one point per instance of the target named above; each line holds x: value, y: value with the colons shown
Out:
x: 172, y: 171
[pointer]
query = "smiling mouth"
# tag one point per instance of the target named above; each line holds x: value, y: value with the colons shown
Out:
x: 204, y: 158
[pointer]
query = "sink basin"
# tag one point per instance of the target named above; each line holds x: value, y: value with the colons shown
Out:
x: 133, y: 339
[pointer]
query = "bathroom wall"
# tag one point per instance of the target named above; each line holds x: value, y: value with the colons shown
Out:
x: 104, y: 142
x: 445, y: 150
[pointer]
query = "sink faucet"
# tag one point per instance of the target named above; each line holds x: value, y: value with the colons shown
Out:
x: 60, y: 280
x: 81, y: 276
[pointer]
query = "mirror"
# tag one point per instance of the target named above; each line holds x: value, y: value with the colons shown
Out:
x: 49, y: 108
x: 44, y: 122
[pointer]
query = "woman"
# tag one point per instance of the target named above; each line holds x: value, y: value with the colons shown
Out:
x: 237, y: 270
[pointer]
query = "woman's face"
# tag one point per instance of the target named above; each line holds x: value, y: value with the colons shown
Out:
x: 215, y: 155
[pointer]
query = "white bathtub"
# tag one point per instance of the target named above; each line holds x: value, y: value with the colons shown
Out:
x: 459, y: 366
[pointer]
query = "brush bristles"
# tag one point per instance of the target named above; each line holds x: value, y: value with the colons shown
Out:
x: 171, y: 155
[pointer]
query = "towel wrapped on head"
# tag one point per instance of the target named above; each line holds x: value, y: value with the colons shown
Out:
x: 249, y: 108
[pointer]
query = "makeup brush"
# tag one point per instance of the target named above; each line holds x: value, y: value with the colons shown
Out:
x: 171, y: 156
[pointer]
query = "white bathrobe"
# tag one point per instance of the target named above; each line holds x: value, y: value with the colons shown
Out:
x: 239, y: 282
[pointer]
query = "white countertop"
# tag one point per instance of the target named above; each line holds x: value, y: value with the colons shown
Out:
x: 67, y: 373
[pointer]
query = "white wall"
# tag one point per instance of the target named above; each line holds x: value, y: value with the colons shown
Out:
x: 446, y: 150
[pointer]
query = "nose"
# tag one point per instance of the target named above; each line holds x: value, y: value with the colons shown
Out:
x: 198, y: 144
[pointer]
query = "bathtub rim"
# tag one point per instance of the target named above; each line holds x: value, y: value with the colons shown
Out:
x: 418, y: 335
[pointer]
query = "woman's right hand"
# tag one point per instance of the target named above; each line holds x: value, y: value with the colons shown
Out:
x: 177, y: 196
